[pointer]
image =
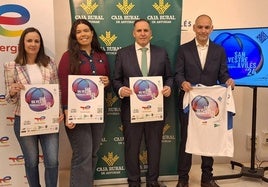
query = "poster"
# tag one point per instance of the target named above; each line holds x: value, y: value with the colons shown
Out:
x: 85, y: 99
x: 146, y: 100
x: 39, y: 109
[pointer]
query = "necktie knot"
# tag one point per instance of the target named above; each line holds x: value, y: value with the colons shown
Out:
x: 144, y: 49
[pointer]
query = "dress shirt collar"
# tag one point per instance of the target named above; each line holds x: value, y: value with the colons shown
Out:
x: 199, y: 45
x: 137, y: 46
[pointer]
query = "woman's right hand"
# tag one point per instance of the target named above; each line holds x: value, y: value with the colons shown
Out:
x: 67, y: 124
x: 15, y: 88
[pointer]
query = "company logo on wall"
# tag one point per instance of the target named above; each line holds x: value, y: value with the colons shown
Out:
x: 10, y: 120
x: 17, y: 160
x: 4, y: 141
x: 143, y: 161
x: 22, y: 17
x: 110, y: 159
x: 5, y: 181
x: 125, y: 7
x: 161, y: 7
x: 168, y: 138
x: 110, y: 100
x: 89, y: 8
x: 108, y: 39
x: 2, y: 100
x: 143, y: 157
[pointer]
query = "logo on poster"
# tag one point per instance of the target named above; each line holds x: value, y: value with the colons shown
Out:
x: 85, y: 89
x: 39, y: 99
x: 145, y: 90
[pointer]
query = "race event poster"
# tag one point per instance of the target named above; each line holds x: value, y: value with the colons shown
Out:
x: 85, y: 99
x: 39, y: 109
x: 146, y: 100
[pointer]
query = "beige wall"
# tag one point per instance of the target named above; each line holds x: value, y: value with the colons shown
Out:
x: 243, y: 100
x: 62, y: 29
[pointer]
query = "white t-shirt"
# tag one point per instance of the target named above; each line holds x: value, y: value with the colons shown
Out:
x: 209, y: 133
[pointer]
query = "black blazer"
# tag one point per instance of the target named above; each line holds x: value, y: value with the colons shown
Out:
x: 126, y: 65
x: 188, y: 66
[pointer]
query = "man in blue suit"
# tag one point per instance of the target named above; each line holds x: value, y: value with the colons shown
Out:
x: 128, y: 64
x: 199, y: 61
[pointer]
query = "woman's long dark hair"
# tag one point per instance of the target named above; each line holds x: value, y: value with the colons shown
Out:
x: 41, y: 58
x: 74, y: 47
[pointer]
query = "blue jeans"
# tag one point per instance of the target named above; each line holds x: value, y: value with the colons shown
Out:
x: 30, y: 149
x: 85, y: 141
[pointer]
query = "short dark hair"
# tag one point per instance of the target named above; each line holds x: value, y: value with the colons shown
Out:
x: 139, y: 20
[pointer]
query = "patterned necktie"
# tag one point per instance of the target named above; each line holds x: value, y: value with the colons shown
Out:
x: 144, y: 68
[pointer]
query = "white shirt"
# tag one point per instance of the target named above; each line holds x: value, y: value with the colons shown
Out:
x: 202, y: 52
x: 138, y: 52
x: 34, y: 73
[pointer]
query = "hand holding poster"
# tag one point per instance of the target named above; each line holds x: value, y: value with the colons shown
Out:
x: 146, y: 101
x: 85, y: 99
x: 39, y: 109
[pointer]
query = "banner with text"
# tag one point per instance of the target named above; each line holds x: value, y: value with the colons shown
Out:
x: 16, y: 15
x: 114, y: 29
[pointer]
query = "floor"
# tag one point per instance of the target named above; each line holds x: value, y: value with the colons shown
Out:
x: 219, y: 169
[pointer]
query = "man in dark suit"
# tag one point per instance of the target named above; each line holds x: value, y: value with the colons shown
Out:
x: 199, y: 61
x: 128, y: 64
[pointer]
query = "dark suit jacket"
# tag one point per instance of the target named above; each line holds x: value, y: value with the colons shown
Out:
x: 126, y: 65
x: 188, y: 66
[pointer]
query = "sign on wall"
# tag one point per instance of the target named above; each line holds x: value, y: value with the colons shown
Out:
x: 114, y: 29
x: 15, y: 16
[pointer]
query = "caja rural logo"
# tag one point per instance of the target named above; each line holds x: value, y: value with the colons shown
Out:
x: 22, y: 17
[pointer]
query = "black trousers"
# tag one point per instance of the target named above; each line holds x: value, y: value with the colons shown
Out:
x: 185, y: 159
x: 133, y: 134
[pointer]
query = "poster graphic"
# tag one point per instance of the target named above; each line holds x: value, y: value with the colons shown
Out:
x: 39, y: 109
x: 85, y: 99
x: 146, y: 101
